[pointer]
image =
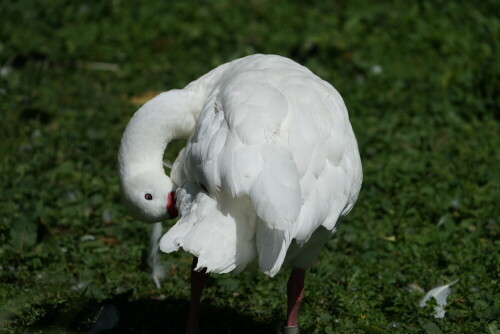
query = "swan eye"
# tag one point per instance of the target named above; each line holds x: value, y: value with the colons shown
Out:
x: 204, y: 187
x: 148, y: 197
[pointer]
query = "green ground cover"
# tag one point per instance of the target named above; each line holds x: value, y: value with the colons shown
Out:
x: 421, y: 82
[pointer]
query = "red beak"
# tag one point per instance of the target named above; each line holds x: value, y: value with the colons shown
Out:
x: 171, y: 209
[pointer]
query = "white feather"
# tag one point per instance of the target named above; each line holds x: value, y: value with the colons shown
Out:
x: 157, y: 268
x: 167, y: 164
x: 440, y: 294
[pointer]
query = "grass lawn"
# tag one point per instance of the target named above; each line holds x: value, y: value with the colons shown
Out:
x: 421, y: 81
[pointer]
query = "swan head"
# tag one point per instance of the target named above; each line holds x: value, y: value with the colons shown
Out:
x: 149, y: 196
x: 147, y: 191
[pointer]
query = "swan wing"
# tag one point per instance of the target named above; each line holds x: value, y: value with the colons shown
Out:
x: 258, y: 162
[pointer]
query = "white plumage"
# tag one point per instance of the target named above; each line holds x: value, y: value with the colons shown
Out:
x: 271, y: 164
x: 271, y: 158
x: 276, y: 153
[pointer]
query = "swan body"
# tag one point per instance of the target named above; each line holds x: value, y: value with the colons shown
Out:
x: 270, y: 166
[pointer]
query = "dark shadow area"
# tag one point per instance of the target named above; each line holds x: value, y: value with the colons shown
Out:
x: 119, y: 315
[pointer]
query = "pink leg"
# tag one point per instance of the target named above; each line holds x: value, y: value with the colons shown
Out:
x: 198, y: 280
x: 295, y: 293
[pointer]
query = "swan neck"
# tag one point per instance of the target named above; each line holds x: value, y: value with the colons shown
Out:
x: 171, y: 115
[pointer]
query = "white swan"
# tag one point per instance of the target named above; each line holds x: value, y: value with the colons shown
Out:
x: 270, y: 166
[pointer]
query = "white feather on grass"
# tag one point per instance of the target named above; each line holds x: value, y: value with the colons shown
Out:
x: 440, y: 294
x: 167, y: 164
x: 157, y: 268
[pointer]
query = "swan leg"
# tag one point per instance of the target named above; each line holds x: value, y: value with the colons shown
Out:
x: 198, y: 281
x: 295, y: 293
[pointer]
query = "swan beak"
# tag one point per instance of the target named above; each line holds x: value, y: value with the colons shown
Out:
x: 171, y: 209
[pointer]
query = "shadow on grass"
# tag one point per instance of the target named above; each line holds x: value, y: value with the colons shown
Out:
x: 118, y: 315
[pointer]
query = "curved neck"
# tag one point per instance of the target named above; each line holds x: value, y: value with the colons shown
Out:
x: 170, y: 115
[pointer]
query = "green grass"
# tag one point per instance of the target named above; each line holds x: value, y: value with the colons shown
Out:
x: 421, y: 82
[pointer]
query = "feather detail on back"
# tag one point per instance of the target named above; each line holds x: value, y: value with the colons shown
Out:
x: 274, y: 149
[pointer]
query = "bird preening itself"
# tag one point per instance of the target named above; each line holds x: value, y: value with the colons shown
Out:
x: 270, y: 166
